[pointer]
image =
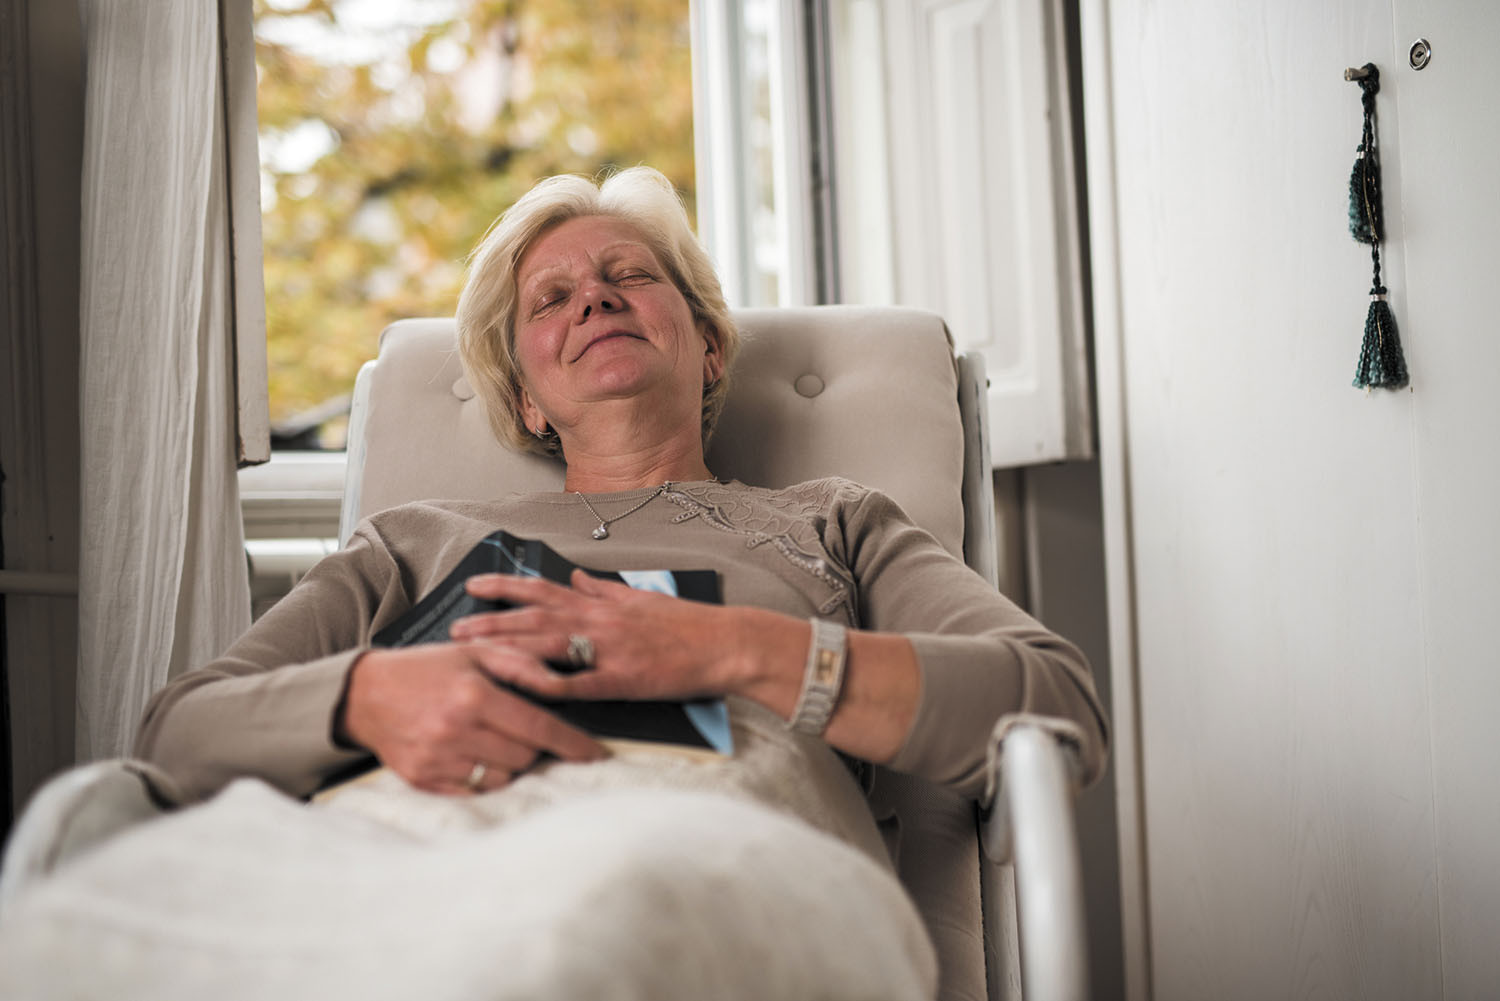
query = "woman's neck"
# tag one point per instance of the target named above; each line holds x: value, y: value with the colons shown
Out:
x: 631, y: 443
x: 615, y: 471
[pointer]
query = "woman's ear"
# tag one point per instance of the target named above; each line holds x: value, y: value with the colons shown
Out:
x: 713, y: 355
x: 536, y: 421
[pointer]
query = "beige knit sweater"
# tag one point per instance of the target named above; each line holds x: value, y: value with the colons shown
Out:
x: 827, y: 547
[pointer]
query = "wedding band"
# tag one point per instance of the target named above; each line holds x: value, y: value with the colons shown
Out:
x: 580, y: 651
x: 476, y: 776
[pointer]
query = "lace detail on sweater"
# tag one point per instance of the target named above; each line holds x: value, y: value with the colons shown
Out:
x: 791, y: 521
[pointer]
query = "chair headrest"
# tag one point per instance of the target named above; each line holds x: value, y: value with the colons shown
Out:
x: 868, y: 393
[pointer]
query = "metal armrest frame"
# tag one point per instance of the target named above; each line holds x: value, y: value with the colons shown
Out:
x: 1031, y: 825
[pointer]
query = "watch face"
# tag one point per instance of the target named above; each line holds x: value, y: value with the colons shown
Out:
x: 827, y: 667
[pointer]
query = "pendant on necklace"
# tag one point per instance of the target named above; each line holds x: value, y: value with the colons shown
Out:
x: 602, y: 532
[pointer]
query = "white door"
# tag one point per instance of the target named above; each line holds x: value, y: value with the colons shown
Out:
x: 1307, y: 575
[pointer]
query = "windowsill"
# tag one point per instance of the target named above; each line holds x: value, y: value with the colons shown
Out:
x: 291, y: 511
x: 296, y: 495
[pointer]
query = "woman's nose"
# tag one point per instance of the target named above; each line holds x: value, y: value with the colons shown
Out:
x: 599, y: 296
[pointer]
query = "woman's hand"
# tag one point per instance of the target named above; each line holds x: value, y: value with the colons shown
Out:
x: 652, y: 646
x: 647, y: 645
x: 430, y: 714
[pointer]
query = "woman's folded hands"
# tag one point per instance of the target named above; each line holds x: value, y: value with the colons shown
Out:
x: 652, y: 646
x: 643, y: 645
x: 434, y: 715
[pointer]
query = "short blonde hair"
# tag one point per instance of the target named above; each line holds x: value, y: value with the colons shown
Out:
x: 487, y: 306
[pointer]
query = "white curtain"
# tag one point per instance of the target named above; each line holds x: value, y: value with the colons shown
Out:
x: 162, y: 579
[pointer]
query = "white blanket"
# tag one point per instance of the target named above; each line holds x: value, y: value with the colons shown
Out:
x: 629, y: 881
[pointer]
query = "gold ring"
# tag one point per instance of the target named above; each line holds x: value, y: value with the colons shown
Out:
x: 476, y: 776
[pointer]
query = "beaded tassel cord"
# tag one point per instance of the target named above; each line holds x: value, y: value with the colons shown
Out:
x: 1381, y: 362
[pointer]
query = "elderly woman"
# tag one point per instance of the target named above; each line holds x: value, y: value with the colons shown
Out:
x: 594, y: 328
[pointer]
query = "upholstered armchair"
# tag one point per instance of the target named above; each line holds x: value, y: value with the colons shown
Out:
x: 872, y: 394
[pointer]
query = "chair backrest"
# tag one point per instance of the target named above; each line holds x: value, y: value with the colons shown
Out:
x: 872, y: 394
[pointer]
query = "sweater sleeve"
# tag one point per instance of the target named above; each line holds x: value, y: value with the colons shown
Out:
x: 982, y: 657
x: 266, y: 707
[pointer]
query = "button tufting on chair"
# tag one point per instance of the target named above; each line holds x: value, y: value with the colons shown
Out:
x: 808, y: 385
x: 462, y: 389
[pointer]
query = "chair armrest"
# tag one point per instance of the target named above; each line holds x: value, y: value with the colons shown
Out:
x: 75, y: 811
x: 1034, y: 777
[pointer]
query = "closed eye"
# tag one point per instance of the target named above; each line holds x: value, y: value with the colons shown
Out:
x: 547, y: 300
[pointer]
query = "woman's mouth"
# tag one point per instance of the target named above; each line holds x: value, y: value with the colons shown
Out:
x: 610, y: 336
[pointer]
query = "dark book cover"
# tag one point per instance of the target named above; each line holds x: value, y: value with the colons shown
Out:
x: 702, y: 724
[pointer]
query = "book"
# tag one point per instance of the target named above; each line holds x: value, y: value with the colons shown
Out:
x: 700, y: 724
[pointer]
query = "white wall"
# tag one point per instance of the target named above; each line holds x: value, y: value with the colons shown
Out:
x: 1304, y: 573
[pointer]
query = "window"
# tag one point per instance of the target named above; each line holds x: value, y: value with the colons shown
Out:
x: 763, y: 159
x: 393, y: 132
x: 908, y: 152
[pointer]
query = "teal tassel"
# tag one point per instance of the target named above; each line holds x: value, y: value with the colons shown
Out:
x: 1364, y: 197
x: 1381, y: 361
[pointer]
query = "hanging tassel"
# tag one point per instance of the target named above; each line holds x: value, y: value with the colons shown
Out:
x: 1381, y: 362
x: 1364, y: 179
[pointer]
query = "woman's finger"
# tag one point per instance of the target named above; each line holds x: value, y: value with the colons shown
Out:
x: 588, y: 585
x: 506, y: 664
x: 511, y: 587
x: 510, y: 622
x: 503, y: 746
x: 512, y: 666
x: 520, y: 721
x: 470, y: 776
x: 499, y: 753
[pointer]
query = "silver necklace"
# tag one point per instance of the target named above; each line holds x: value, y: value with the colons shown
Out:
x: 602, y: 532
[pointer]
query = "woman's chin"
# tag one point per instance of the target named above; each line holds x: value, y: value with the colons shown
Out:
x: 621, y: 374
x: 622, y: 382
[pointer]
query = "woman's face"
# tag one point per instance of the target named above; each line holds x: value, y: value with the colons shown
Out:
x: 599, y: 318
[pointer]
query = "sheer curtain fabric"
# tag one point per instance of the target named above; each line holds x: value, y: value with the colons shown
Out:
x: 162, y: 581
